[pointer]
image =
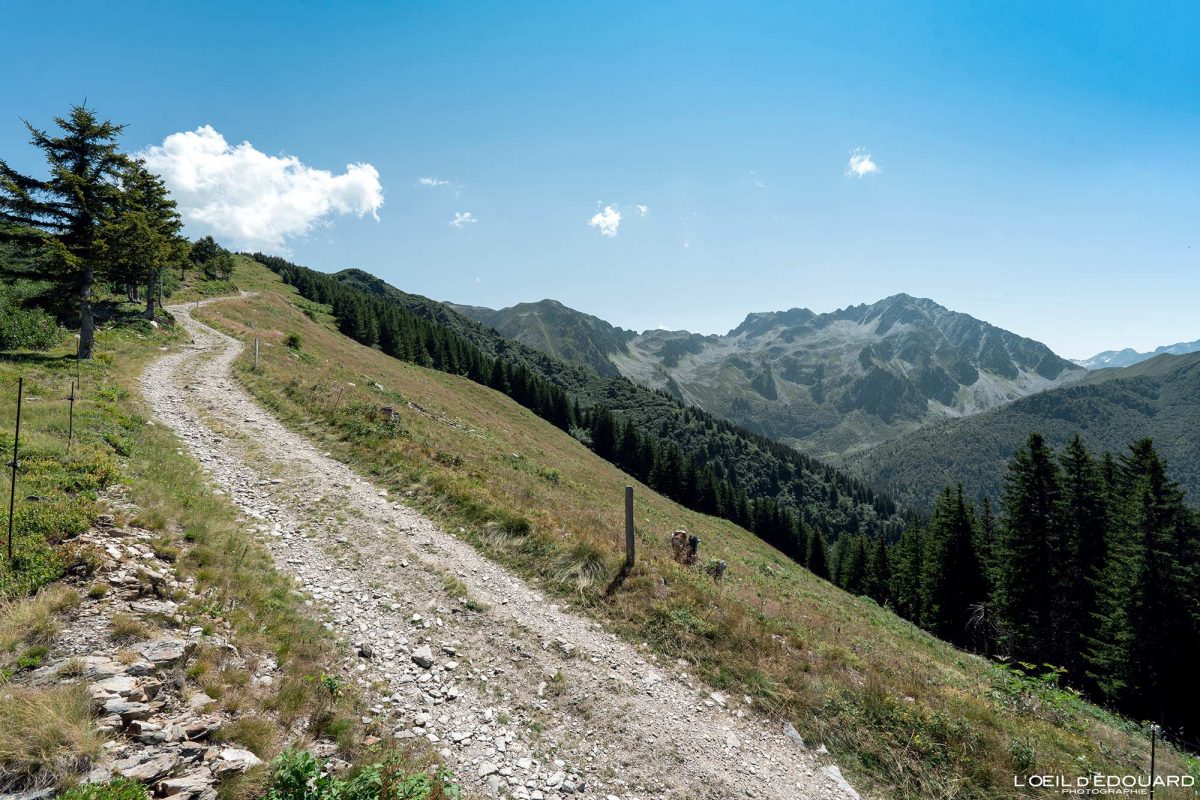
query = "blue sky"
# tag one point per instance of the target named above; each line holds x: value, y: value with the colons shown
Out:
x: 1036, y: 163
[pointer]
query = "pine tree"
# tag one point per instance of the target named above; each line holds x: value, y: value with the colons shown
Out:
x: 143, y: 238
x: 879, y: 576
x: 1023, y: 596
x: 817, y: 559
x: 951, y: 578
x: 1144, y: 653
x: 1085, y: 524
x: 907, y: 559
x: 61, y: 216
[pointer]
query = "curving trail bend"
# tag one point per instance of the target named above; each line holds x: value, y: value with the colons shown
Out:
x: 524, y: 699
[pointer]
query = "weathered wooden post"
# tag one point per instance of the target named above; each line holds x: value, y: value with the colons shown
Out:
x: 1153, y: 739
x: 628, y: 527
x: 256, y: 354
x: 71, y: 418
x: 12, y: 494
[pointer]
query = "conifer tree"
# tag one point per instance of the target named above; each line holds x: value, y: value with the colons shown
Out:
x: 1023, y: 596
x: 143, y: 238
x: 61, y: 217
x: 1144, y: 653
x: 879, y: 577
x: 817, y: 559
x: 951, y: 578
x: 907, y: 560
x: 1085, y: 537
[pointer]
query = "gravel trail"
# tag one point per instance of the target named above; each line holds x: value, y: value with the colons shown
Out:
x: 523, y: 698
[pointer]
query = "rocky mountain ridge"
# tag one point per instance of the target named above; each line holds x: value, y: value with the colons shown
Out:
x: 833, y: 383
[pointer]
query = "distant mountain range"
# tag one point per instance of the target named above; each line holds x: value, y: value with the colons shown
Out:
x: 1128, y: 357
x: 1110, y: 409
x: 832, y: 383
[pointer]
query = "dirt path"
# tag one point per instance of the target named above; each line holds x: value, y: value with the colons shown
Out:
x: 523, y: 698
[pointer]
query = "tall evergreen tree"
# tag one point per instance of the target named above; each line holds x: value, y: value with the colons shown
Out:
x: 879, y: 574
x: 1085, y: 526
x: 61, y: 216
x: 951, y: 578
x: 817, y: 558
x: 1144, y: 653
x: 1023, y: 596
x: 907, y: 560
x: 143, y: 238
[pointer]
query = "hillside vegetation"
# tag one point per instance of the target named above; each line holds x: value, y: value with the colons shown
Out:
x: 909, y: 715
x: 1157, y: 399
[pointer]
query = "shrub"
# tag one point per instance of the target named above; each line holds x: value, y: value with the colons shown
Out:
x: 296, y: 775
x: 27, y: 329
x: 293, y: 341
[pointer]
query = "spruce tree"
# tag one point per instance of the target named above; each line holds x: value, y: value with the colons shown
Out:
x: 879, y: 576
x: 817, y: 558
x: 143, y: 238
x: 1085, y: 540
x: 1144, y: 653
x: 1023, y: 596
x: 906, y: 560
x: 61, y: 217
x: 951, y: 578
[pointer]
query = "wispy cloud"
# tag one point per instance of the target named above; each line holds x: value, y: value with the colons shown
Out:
x: 861, y: 165
x: 641, y: 209
x: 432, y: 182
x: 462, y: 219
x: 253, y: 200
x: 757, y: 180
x: 607, y: 221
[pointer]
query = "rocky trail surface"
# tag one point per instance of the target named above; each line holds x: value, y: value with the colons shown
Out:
x: 522, y: 697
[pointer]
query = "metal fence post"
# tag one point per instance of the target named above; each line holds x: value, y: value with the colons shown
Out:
x: 71, y: 418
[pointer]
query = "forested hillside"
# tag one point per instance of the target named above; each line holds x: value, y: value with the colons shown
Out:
x: 705, y: 463
x: 1085, y: 572
x: 1157, y: 399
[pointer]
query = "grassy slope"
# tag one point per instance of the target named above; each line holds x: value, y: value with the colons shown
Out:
x: 906, y: 714
x: 42, y: 731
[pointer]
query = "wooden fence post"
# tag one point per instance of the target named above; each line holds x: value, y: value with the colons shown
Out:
x: 256, y: 354
x: 12, y: 495
x: 628, y: 527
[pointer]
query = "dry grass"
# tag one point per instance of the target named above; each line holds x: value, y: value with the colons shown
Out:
x: 128, y: 628
x: 905, y: 714
x: 32, y: 620
x: 45, y: 733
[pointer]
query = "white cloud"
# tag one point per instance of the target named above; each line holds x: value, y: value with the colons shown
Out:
x: 432, y: 182
x: 608, y: 221
x: 757, y: 180
x: 641, y: 209
x: 462, y: 219
x: 861, y: 164
x: 253, y: 200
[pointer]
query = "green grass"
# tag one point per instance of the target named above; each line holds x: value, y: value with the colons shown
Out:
x: 905, y: 715
x: 47, y: 733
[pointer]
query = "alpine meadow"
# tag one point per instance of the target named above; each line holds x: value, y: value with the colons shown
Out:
x: 666, y: 402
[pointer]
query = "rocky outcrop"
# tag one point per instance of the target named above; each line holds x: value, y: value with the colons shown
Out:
x: 158, y: 733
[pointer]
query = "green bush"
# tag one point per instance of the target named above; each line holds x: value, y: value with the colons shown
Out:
x: 292, y: 340
x: 27, y: 329
x: 296, y: 775
x: 119, y: 789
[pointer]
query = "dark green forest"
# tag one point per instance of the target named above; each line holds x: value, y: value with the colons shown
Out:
x: 1084, y: 573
